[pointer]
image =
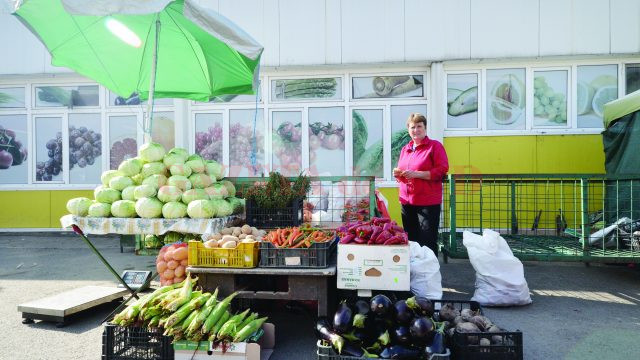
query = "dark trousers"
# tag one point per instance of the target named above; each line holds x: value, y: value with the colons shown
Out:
x: 421, y: 224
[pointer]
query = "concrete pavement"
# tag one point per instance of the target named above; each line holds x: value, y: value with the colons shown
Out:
x: 578, y: 312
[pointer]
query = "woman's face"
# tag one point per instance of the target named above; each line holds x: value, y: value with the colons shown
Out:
x: 417, y: 131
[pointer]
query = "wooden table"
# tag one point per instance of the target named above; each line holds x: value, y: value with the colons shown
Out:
x: 268, y: 283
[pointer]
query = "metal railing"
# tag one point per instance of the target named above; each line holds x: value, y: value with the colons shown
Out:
x: 568, y: 217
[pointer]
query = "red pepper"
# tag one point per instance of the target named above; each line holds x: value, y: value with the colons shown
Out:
x: 384, y: 236
x: 364, y: 231
x: 377, y: 230
x: 394, y: 240
x: 360, y: 240
x: 347, y: 239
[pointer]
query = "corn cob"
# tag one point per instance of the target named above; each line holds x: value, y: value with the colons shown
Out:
x: 249, y: 329
x: 216, y: 313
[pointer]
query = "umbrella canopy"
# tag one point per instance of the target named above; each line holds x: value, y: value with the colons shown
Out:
x: 616, y: 109
x: 157, y: 48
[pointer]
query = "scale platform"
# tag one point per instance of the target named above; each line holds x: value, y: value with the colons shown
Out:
x: 58, y: 308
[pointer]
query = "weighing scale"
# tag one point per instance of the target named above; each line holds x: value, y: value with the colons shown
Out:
x: 58, y: 308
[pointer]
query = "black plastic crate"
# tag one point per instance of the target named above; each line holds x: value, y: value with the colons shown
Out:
x: 466, y: 346
x: 326, y: 352
x: 134, y: 343
x: 316, y: 256
x: 505, y: 345
x: 274, y: 218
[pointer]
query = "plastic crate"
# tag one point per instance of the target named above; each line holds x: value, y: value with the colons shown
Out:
x: 326, y: 352
x: 273, y: 218
x: 134, y: 343
x: 316, y: 256
x: 465, y: 346
x: 245, y: 255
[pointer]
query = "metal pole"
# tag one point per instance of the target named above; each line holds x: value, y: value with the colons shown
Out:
x: 148, y: 124
x: 78, y: 231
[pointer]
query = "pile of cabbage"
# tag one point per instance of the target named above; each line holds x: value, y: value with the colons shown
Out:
x: 160, y: 184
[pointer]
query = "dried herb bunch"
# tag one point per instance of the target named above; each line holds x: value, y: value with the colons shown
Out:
x: 278, y: 191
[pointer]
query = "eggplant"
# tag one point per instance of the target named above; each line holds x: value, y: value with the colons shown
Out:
x: 342, y: 319
x: 380, y: 305
x: 400, y: 352
x: 401, y: 335
x: 323, y: 331
x: 362, y: 311
x: 422, y: 330
x: 351, y: 349
x: 437, y: 345
x: 422, y: 306
x: 403, y: 312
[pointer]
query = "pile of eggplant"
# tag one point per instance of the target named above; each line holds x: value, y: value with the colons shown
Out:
x: 380, y: 328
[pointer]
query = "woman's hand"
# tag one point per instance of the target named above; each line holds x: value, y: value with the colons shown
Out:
x: 397, y: 172
x: 411, y: 174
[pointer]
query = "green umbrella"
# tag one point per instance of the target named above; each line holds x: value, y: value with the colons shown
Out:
x: 155, y: 48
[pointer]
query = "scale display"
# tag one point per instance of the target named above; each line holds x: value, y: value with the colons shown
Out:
x: 135, y: 278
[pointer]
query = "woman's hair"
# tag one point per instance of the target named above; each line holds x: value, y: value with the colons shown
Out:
x: 415, y: 118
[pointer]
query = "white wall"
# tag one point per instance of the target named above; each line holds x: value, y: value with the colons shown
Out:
x: 318, y: 32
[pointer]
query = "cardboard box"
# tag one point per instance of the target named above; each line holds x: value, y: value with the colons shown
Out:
x: 262, y: 350
x: 373, y: 267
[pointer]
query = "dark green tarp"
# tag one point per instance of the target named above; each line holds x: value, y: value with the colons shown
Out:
x: 621, y: 142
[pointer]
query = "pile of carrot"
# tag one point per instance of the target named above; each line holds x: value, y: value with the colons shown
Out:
x: 297, y: 237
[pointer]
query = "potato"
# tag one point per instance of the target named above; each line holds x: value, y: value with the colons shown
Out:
x: 179, y: 271
x: 180, y: 253
x: 213, y: 243
x: 161, y: 267
x: 178, y: 280
x: 168, y: 256
x: 236, y: 232
x: 230, y: 244
x: 248, y: 240
x: 168, y: 274
x: 242, y: 236
x: 226, y: 231
x: 246, y: 229
x: 184, y: 262
x: 217, y: 236
x: 230, y: 237
x: 172, y: 264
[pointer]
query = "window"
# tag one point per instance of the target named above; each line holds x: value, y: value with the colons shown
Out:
x: 163, y: 129
x: 305, y: 89
x: 326, y: 141
x: 399, y: 134
x: 505, y: 104
x: 123, y: 142
x: 12, y: 97
x: 286, y: 142
x: 404, y: 86
x: 49, y: 149
x: 550, y: 98
x: 85, y: 148
x: 632, y: 78
x: 13, y: 149
x: 67, y: 96
x: 246, y: 142
x: 596, y: 85
x: 134, y: 100
x: 462, y: 101
x: 368, y: 149
x: 208, y: 138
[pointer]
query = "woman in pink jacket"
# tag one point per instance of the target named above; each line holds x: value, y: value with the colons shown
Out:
x: 422, y: 165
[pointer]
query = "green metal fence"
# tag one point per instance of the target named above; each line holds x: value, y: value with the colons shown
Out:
x: 588, y: 218
x: 331, y: 200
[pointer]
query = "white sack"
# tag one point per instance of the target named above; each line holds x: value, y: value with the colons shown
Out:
x: 425, y: 277
x: 499, y: 275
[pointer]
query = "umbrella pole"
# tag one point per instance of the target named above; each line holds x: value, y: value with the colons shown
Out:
x: 148, y: 124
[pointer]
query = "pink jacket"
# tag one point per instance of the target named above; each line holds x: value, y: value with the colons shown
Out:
x: 429, y: 155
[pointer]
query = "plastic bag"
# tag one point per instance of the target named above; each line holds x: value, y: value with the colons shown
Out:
x: 499, y: 275
x: 424, y: 275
